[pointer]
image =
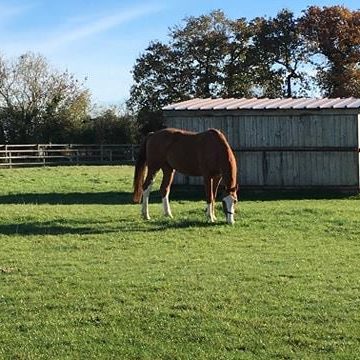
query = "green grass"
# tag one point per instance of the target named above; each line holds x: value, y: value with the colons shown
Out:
x: 83, y: 277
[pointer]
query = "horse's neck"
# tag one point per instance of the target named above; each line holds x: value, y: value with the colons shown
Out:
x: 230, y: 174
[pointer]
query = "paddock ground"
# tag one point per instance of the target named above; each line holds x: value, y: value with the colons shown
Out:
x: 83, y: 276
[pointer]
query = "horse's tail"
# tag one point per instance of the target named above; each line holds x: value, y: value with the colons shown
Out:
x: 140, y: 169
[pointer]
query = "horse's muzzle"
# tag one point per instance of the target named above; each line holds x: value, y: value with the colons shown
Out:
x: 228, y: 209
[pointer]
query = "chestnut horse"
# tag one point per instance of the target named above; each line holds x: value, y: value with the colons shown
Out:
x: 206, y: 154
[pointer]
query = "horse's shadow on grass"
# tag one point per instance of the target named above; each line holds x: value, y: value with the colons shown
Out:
x: 98, y: 228
x: 110, y: 198
x: 125, y: 198
x: 43, y: 228
x: 83, y: 227
x: 104, y: 198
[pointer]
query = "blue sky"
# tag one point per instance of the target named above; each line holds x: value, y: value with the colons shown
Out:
x: 100, y: 40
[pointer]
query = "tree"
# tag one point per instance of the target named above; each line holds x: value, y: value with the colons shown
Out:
x: 160, y: 77
x: 201, y: 60
x: 157, y: 75
x: 334, y: 34
x: 110, y: 126
x: 281, y: 54
x: 203, y: 44
x: 212, y: 56
x: 39, y: 104
x: 238, y: 65
x: 190, y: 65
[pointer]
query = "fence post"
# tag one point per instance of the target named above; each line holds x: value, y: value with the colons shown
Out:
x: 101, y: 153
x: 44, y: 157
x: 40, y: 154
x: 10, y: 161
x: 132, y: 152
x: 6, y: 155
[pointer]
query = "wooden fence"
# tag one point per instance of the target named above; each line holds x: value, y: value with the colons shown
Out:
x: 66, y: 154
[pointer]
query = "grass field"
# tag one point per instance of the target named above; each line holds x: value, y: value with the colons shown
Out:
x: 83, y: 277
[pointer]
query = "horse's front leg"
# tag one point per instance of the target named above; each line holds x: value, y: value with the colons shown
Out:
x: 146, y: 192
x: 215, y: 186
x: 168, y: 176
x: 208, y: 183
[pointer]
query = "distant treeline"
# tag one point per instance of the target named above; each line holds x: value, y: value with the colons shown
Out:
x: 317, y: 53
x: 40, y: 105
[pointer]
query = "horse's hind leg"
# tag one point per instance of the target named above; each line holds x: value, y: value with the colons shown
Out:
x: 146, y: 192
x: 168, y: 175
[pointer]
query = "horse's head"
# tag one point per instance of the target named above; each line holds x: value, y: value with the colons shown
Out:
x: 228, y: 203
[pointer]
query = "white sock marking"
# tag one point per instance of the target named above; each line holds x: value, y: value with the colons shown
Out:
x: 166, y: 205
x: 145, y: 203
x: 209, y: 212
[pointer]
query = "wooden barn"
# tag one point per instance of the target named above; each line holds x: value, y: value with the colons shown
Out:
x: 281, y: 143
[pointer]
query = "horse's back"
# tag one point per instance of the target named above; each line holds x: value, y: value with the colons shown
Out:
x: 188, y: 152
x: 163, y: 139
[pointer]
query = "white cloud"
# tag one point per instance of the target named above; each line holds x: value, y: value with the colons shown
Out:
x: 98, y: 25
x: 8, y: 12
x: 71, y: 31
x: 77, y: 43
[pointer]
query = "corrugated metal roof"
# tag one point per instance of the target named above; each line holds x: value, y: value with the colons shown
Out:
x: 265, y: 104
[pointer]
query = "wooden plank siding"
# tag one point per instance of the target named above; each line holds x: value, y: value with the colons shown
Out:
x: 284, y: 149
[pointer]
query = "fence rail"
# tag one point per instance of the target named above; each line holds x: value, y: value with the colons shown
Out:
x: 66, y: 154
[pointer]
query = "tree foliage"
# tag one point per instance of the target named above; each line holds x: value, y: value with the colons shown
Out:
x: 213, y: 56
x: 334, y: 33
x: 202, y: 43
x: 159, y: 78
x: 279, y: 48
x: 205, y: 57
x: 110, y: 126
x: 237, y: 72
x: 39, y: 104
